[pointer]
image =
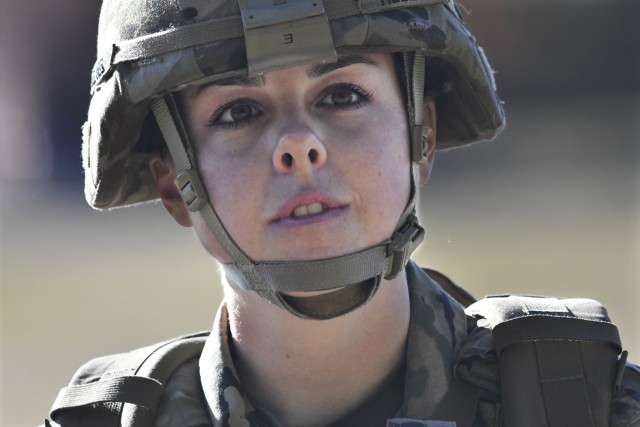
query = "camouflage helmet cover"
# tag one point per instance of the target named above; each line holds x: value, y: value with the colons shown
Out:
x: 149, y: 48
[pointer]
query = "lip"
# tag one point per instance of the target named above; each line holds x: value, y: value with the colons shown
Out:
x: 285, y: 211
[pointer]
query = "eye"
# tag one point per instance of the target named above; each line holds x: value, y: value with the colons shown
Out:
x: 235, y: 113
x: 345, y: 96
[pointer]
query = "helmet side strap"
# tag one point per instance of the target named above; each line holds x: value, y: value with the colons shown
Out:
x: 414, y: 66
x: 415, y: 69
x: 188, y: 179
x: 409, y: 234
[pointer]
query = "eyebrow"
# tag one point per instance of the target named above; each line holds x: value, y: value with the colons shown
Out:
x: 232, y: 81
x: 320, y: 70
x: 314, y: 72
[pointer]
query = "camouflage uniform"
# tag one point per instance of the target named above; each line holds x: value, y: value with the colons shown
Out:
x: 437, y: 337
x: 162, y: 46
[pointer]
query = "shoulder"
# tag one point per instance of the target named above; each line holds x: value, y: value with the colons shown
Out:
x: 131, y: 362
x: 139, y: 377
x: 152, y: 360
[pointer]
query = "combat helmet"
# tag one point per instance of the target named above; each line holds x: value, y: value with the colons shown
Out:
x: 149, y: 49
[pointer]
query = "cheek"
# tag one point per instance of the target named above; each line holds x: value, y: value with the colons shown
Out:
x: 235, y: 189
x: 382, y: 171
x: 233, y: 182
x: 387, y: 148
x: 388, y: 178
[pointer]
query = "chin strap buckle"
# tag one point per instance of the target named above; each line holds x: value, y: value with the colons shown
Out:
x: 191, y: 190
x: 403, y: 242
x: 419, y: 145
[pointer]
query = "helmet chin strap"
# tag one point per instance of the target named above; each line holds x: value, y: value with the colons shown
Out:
x: 353, y: 278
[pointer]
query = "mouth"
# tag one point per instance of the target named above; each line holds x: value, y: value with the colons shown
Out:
x: 309, y: 210
x: 303, y: 209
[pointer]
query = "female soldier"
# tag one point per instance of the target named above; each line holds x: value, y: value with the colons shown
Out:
x: 293, y: 136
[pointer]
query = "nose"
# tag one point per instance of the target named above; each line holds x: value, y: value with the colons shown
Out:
x: 301, y: 152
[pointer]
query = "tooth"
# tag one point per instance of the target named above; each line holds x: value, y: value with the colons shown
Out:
x: 315, y: 208
x: 301, y: 211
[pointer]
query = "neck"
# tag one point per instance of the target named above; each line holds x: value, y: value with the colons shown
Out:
x: 309, y: 372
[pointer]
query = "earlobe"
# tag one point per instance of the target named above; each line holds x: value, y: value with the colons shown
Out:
x: 164, y: 175
x: 429, y: 118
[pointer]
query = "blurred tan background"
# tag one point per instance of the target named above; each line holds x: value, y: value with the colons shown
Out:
x: 551, y: 207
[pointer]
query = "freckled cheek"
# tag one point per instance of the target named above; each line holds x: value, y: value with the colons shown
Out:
x: 235, y: 193
x: 387, y: 148
x: 381, y: 176
x: 228, y: 177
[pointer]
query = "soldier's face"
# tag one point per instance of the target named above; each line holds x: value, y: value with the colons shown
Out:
x: 303, y: 163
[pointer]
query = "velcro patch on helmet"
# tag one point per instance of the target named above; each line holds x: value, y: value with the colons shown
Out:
x: 286, y: 34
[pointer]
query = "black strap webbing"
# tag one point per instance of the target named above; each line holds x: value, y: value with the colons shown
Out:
x: 139, y: 391
x: 130, y: 385
x: 550, y: 328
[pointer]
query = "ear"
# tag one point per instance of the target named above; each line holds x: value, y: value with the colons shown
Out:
x: 164, y: 174
x: 428, y: 118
